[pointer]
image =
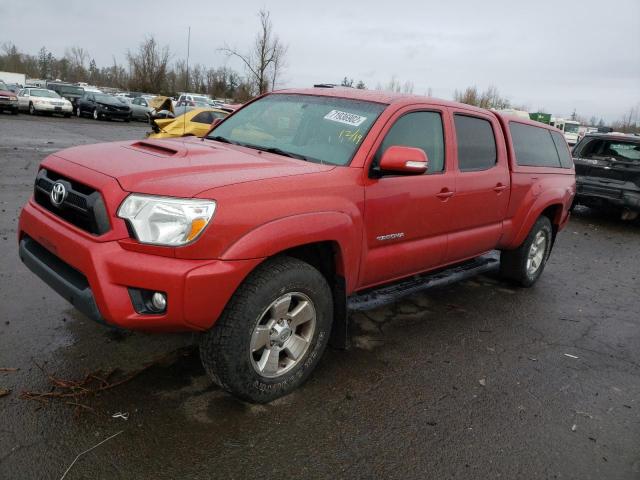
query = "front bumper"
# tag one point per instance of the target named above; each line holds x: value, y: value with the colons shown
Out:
x: 622, y: 194
x: 6, y: 104
x: 114, y: 113
x: 96, y: 276
x: 45, y: 107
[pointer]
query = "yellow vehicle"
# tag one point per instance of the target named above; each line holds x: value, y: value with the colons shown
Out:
x: 195, y: 122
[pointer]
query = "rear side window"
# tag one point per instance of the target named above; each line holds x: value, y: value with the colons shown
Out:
x: 420, y: 130
x: 203, y: 117
x: 601, y: 149
x: 563, y: 151
x: 534, y: 146
x: 476, y: 143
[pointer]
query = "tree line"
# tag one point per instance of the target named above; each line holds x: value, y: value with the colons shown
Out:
x: 151, y: 67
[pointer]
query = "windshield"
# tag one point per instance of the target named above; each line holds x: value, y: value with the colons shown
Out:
x: 44, y: 93
x: 101, y: 97
x: 571, y: 127
x: 3, y: 86
x: 201, y: 99
x: 71, y: 90
x: 320, y: 129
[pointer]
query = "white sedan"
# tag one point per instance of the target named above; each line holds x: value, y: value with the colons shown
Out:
x: 41, y: 100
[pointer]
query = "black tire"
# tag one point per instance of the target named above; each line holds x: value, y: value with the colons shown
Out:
x: 127, y: 120
x: 513, y: 263
x: 225, y: 349
x: 95, y: 114
x: 14, y: 111
x: 67, y: 115
x: 32, y: 109
x: 78, y: 112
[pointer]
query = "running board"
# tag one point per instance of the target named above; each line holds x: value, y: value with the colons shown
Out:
x: 377, y: 297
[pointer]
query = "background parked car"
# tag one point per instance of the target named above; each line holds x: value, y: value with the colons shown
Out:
x: 41, y: 100
x: 195, y: 122
x: 67, y: 90
x: 191, y: 100
x: 608, y: 173
x: 140, y: 109
x: 101, y: 105
x: 8, y: 99
x: 14, y: 87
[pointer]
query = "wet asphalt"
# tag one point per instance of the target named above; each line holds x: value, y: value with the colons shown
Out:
x: 476, y: 380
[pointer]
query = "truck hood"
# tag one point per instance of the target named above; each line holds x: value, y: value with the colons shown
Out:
x: 183, y: 167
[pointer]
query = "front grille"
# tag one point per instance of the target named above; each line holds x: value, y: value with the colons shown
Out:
x: 83, y: 206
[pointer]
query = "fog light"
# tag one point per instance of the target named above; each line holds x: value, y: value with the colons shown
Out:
x: 159, y: 301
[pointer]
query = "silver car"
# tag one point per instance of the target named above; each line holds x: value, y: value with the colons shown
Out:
x: 41, y: 100
x: 140, y: 109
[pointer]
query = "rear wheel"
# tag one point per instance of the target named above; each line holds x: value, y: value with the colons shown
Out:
x: 272, y: 333
x: 78, y: 112
x: 525, y: 264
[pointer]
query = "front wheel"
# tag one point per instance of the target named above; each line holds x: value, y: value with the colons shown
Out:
x: 96, y: 116
x: 32, y: 109
x: 525, y: 264
x: 272, y: 333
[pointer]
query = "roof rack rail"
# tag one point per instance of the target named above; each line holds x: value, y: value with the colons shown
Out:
x: 325, y: 85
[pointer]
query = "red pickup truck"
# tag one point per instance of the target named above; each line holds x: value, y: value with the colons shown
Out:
x: 294, y: 210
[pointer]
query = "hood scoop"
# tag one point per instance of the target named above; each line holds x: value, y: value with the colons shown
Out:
x: 154, y: 148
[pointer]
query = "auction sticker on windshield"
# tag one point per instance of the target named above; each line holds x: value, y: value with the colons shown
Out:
x: 345, y: 117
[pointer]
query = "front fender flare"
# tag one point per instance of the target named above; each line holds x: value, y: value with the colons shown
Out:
x: 284, y: 233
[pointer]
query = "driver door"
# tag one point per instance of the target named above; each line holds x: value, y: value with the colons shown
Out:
x: 407, y: 217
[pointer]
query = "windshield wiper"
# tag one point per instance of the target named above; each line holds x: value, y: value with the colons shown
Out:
x: 279, y: 151
x: 218, y: 138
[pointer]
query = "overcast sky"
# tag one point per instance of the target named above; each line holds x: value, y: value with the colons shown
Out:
x: 557, y: 55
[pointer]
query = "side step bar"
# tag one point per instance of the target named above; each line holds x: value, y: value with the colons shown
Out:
x: 374, y: 298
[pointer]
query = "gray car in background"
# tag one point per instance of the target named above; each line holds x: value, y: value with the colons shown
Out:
x: 140, y: 109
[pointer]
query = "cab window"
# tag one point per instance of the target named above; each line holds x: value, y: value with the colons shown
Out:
x: 534, y: 146
x: 476, y: 143
x: 420, y: 130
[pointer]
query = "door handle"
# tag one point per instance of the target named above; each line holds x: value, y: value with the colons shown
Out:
x: 445, y: 194
x: 499, y: 188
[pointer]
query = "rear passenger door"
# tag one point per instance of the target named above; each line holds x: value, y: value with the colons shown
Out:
x: 407, y: 217
x: 480, y: 203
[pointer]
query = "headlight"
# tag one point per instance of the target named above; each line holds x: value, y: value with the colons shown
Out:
x: 166, y: 221
x: 13, y: 98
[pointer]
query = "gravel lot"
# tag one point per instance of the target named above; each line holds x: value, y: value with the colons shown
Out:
x: 477, y: 380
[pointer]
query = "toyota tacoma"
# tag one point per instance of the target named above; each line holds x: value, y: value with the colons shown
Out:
x: 298, y: 208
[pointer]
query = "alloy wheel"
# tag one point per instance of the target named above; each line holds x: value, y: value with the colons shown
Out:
x: 282, y: 334
x: 537, y: 251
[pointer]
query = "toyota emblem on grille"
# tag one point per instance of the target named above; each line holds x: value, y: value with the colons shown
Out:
x: 58, y: 194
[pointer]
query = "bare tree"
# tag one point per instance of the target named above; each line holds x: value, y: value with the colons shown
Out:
x: 77, y: 58
x: 265, y: 61
x: 490, y: 98
x: 148, y: 66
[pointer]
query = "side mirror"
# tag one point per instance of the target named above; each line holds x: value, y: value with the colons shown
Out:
x: 404, y: 161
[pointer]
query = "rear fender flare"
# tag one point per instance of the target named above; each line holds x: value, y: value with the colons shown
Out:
x: 546, y: 199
